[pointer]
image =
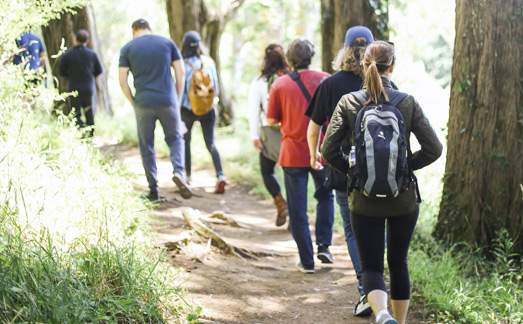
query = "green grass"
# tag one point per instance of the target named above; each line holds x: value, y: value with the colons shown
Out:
x: 463, y: 287
x: 75, y: 246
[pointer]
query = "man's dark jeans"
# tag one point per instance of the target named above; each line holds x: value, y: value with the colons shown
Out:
x: 296, y: 180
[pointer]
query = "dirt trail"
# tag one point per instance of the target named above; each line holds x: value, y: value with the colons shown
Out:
x: 266, y: 290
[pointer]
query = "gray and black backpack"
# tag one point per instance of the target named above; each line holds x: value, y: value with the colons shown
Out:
x: 382, y: 149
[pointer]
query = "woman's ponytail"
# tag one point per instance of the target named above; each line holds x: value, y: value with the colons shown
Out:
x: 379, y: 57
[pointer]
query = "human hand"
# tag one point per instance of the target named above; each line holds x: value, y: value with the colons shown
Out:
x: 315, y: 161
x: 258, y: 145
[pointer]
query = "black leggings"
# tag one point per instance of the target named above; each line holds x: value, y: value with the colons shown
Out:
x: 270, y: 181
x: 368, y: 230
x: 208, y: 123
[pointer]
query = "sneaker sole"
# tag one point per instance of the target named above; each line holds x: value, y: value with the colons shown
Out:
x: 184, y: 191
x: 324, y: 258
x: 303, y: 270
x: 365, y: 312
x: 220, y: 188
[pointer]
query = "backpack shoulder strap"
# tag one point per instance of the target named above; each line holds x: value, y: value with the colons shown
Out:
x: 396, y: 97
x: 362, y: 96
x: 192, y: 66
x: 295, y: 76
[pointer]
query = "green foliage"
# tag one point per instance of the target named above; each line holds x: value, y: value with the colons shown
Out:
x: 463, y: 286
x: 74, y: 244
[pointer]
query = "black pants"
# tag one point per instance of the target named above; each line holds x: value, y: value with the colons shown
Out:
x: 208, y: 122
x: 369, y: 232
x: 269, y: 179
x: 84, y: 101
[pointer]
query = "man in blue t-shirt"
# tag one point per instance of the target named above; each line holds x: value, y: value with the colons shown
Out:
x: 149, y: 58
x: 32, y: 52
x: 80, y: 65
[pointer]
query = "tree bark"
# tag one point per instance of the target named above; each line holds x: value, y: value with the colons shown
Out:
x: 64, y: 28
x: 340, y: 15
x: 327, y: 35
x: 193, y: 15
x: 482, y: 191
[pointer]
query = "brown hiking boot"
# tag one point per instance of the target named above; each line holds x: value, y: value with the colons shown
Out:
x: 281, y: 206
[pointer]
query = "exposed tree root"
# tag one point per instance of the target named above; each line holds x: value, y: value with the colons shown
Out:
x: 229, y: 221
x: 192, y: 217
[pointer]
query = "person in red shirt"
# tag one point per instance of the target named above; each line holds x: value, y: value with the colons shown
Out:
x: 289, y: 97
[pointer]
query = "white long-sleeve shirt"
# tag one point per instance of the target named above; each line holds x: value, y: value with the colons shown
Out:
x: 258, y: 97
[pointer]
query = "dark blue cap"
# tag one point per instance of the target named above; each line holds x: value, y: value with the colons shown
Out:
x: 358, y: 31
x: 192, y: 38
x: 140, y: 24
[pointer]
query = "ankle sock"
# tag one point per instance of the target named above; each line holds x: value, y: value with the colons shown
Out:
x: 380, y: 314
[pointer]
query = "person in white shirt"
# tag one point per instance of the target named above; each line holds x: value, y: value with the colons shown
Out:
x: 274, y: 65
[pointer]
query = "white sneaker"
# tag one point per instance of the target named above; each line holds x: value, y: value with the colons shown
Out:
x: 362, y: 308
x: 301, y: 268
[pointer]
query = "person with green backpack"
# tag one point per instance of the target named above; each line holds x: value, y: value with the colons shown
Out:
x: 266, y: 140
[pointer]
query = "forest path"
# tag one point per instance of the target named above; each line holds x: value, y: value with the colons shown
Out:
x: 251, y: 291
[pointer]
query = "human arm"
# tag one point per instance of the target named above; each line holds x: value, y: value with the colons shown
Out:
x: 313, y: 140
x: 42, y: 59
x: 214, y: 77
x: 97, y: 66
x: 274, y: 107
x: 255, y: 106
x: 41, y: 53
x: 431, y: 147
x: 179, y: 75
x: 62, y: 67
x: 339, y: 129
x: 123, y: 73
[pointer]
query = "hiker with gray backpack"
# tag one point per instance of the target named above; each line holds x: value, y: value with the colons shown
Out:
x: 383, y: 192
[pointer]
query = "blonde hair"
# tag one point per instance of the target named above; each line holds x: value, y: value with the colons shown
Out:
x: 379, y: 57
x: 349, y: 58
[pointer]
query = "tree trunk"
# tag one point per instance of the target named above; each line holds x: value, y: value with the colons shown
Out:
x: 327, y: 35
x: 193, y: 15
x: 482, y: 191
x: 64, y: 28
x: 340, y: 15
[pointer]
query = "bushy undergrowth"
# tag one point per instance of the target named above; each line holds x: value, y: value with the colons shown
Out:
x: 458, y: 285
x: 73, y: 238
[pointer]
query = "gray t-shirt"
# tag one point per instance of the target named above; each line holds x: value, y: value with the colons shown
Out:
x: 150, y: 57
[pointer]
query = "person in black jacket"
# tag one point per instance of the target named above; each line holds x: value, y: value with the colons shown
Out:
x: 348, y: 78
x: 368, y: 215
x: 80, y: 65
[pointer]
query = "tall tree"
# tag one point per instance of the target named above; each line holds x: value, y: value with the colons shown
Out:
x: 482, y: 191
x: 339, y: 15
x: 194, y: 15
x: 63, y: 29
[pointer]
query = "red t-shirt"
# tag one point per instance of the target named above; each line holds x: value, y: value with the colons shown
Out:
x: 287, y: 104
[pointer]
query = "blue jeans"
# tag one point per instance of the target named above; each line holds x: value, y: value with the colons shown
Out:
x: 296, y: 179
x: 169, y: 118
x: 343, y: 202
